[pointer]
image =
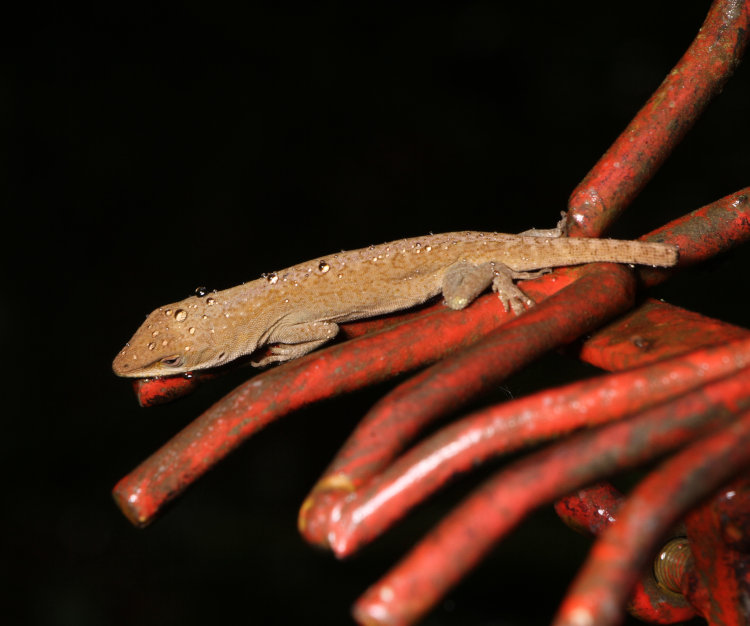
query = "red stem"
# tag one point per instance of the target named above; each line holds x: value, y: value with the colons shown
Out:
x: 509, y: 426
x: 660, y: 125
x: 462, y: 538
x: 615, y: 561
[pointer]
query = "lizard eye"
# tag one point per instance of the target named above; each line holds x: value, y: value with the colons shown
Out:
x: 172, y: 361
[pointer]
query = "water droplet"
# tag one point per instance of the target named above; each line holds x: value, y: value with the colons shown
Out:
x: 226, y: 314
x: 204, y: 317
x: 201, y: 291
x: 155, y: 333
x: 418, y: 245
x: 286, y: 300
x: 341, y: 275
x: 374, y: 259
x: 210, y: 301
x: 323, y: 267
x: 168, y: 312
x: 428, y: 248
x: 180, y: 315
x: 187, y: 348
x: 272, y: 278
x: 151, y: 346
x: 191, y: 330
x: 164, y: 342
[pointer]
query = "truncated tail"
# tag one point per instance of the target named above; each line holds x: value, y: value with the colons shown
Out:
x: 574, y: 250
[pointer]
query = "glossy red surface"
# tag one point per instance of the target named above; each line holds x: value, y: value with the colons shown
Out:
x: 636, y: 155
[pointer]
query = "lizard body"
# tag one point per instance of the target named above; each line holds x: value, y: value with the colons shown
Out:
x: 299, y: 308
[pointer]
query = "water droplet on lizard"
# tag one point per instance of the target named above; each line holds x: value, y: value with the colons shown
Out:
x: 151, y: 346
x: 272, y: 278
x: 180, y: 315
x: 168, y: 312
x: 155, y: 333
x: 210, y: 301
x: 201, y: 291
x: 323, y: 267
x: 191, y: 330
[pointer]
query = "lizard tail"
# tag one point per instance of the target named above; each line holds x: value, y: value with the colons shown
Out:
x: 574, y: 251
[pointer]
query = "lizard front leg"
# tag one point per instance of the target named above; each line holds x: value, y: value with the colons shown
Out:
x: 297, y: 340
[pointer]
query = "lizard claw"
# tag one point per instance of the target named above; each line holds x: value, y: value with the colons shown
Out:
x: 513, y: 302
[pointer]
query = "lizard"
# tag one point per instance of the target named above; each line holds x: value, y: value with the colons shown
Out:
x: 298, y: 309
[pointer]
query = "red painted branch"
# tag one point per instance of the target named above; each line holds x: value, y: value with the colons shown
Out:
x: 652, y: 332
x: 156, y: 391
x: 620, y: 553
x: 461, y: 539
x: 659, y: 126
x: 458, y: 448
x: 717, y: 579
x: 590, y: 510
x: 598, y: 295
x: 703, y: 233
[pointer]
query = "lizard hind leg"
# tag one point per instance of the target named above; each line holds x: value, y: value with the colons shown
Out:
x: 464, y: 281
x: 509, y: 293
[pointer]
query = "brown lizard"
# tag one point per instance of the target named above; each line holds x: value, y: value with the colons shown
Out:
x: 299, y: 309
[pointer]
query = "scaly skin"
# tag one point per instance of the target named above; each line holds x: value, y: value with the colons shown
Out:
x: 299, y: 308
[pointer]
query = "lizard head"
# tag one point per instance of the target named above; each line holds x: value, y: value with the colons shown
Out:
x: 174, y: 339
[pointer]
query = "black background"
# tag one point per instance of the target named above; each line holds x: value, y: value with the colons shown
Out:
x: 154, y: 149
